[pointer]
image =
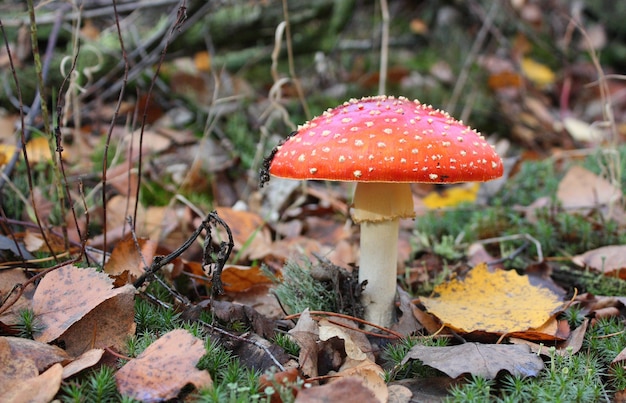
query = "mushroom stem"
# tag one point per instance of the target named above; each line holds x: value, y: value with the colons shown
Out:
x: 378, y: 206
x: 378, y: 265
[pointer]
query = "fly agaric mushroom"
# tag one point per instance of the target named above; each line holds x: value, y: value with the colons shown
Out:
x: 384, y: 144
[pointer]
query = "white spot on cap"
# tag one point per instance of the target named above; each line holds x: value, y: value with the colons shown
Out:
x: 433, y: 176
x: 388, y: 131
x: 357, y: 173
x: 380, y: 144
x: 414, y: 151
x: 326, y: 149
x: 313, y: 171
x: 301, y: 157
x: 463, y: 153
x: 346, y: 120
x: 494, y: 164
x: 325, y: 133
x: 445, y: 143
x: 369, y: 124
x: 358, y: 143
x: 342, y: 158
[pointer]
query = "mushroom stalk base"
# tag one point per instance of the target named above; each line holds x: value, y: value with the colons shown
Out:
x: 379, y: 250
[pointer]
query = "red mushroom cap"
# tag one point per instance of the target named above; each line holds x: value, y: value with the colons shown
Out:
x: 386, y: 139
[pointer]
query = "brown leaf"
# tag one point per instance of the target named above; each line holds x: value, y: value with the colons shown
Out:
x: 609, y: 260
x: 306, y: 334
x: 41, y: 354
x: 242, y: 278
x: 8, y: 280
x: 40, y: 388
x: 231, y: 313
x: 164, y: 368
x: 250, y: 235
x: 352, y: 387
x: 86, y: 360
x: 485, y: 360
x: 75, y: 302
x: 582, y: 189
x: 126, y: 258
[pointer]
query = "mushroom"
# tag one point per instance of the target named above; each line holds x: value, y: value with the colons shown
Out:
x: 383, y: 144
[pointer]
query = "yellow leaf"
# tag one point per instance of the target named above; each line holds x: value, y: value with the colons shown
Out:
x: 6, y: 152
x: 538, y: 73
x: 202, y: 60
x: 452, y: 197
x: 498, y: 302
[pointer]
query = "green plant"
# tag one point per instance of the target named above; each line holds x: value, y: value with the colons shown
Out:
x: 287, y: 343
x: 478, y: 389
x: 97, y: 386
x: 27, y: 323
x: 298, y: 290
x: 232, y: 382
x: 574, y: 316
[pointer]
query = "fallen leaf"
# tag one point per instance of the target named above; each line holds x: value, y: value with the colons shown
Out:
x: 484, y: 360
x: 8, y: 280
x: 452, y: 196
x: 72, y: 302
x: 306, y: 334
x: 370, y: 373
x: 582, y: 189
x: 86, y: 360
x: 126, y: 257
x: 42, y: 355
x: 350, y: 389
x: 538, y: 73
x: 250, y: 235
x: 610, y: 260
x: 41, y: 388
x: 582, y: 131
x: 242, y: 278
x: 498, y: 302
x: 164, y: 368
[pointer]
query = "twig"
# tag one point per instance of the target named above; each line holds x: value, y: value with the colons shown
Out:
x: 478, y: 43
x: 180, y: 19
x: 110, y: 132
x: 395, y: 335
x: 290, y: 62
x: 214, y: 259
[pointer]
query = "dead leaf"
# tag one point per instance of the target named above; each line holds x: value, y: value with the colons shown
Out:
x: 484, y: 360
x: 582, y: 189
x: 538, y: 73
x: 306, y: 334
x: 498, y: 302
x: 350, y: 388
x: 40, y: 388
x: 86, y: 360
x: 610, y: 260
x: 8, y: 280
x: 251, y: 236
x: 72, y: 302
x: 164, y: 368
x: 370, y: 373
x: 125, y: 257
x: 452, y: 196
x: 42, y: 355
x: 354, y: 348
x: 242, y: 278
